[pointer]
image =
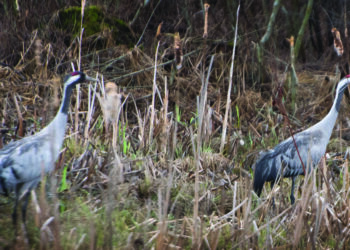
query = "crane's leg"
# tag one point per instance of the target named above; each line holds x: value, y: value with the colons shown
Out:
x: 24, y: 206
x: 273, y: 197
x: 292, y: 198
x: 14, y: 213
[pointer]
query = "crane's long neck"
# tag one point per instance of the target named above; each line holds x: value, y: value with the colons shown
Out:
x: 66, y: 100
x: 60, y: 121
x: 56, y: 129
x: 327, y: 123
x: 57, y: 126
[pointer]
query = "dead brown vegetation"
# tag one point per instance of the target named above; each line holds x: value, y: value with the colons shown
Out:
x: 156, y: 177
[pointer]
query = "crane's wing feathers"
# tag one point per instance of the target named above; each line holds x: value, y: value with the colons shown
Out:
x: 20, y: 162
x: 286, y: 154
x: 284, y: 157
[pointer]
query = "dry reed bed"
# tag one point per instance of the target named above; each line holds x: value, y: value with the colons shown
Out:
x: 152, y: 178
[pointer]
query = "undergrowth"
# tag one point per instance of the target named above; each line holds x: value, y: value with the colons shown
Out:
x: 145, y: 163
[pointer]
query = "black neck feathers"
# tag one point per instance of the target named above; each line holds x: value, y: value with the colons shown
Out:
x: 66, y: 98
x: 339, y: 97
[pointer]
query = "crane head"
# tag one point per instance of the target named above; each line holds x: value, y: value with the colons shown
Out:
x: 343, y: 83
x: 77, y: 77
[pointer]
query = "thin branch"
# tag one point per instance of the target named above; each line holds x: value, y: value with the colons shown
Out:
x: 153, y: 96
x: 228, y: 102
x: 278, y: 103
x: 143, y: 32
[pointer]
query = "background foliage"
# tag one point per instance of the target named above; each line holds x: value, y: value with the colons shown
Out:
x: 156, y: 176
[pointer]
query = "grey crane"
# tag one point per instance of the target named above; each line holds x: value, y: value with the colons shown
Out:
x: 283, y: 160
x: 23, y: 162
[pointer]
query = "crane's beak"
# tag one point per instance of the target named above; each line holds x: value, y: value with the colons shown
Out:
x: 88, y: 78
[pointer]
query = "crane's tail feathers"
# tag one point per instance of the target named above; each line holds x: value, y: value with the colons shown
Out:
x: 258, y: 183
x: 3, y: 190
x: 264, y: 171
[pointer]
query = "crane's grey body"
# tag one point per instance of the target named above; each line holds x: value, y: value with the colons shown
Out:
x: 283, y: 160
x: 24, y: 162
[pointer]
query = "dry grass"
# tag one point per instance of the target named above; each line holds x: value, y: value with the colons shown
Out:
x: 153, y: 173
x: 177, y: 192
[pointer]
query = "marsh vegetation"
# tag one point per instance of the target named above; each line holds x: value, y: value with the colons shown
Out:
x: 162, y: 156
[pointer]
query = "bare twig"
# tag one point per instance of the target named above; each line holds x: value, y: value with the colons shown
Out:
x: 91, y: 106
x: 206, y: 8
x: 278, y: 103
x: 32, y: 40
x: 153, y: 97
x: 77, y: 104
x: 143, y: 32
x: 20, y: 130
x: 228, y: 102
